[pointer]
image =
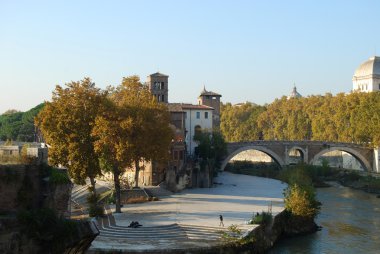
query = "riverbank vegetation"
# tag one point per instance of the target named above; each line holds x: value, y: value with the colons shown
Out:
x: 319, y: 175
x: 350, y: 117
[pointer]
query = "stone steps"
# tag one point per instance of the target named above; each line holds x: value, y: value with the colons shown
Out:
x: 109, y: 229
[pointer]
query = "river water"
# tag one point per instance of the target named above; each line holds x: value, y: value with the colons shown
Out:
x: 350, y: 220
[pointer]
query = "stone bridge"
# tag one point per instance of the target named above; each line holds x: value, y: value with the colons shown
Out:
x: 309, y: 151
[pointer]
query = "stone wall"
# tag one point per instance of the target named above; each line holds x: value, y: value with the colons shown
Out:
x: 19, y: 187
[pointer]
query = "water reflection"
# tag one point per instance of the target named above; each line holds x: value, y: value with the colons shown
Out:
x: 350, y: 221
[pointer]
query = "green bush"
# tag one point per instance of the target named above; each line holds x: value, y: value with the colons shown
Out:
x: 95, y: 208
x: 261, y: 169
x: 262, y: 218
x: 59, y: 177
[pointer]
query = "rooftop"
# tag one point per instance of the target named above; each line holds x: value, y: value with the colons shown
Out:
x: 180, y: 107
x: 158, y: 74
x: 208, y: 93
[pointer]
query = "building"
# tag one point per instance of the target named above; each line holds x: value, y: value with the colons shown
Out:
x: 367, y: 76
x: 185, y: 120
x: 158, y: 86
x: 197, y: 118
x: 294, y: 93
x: 211, y: 99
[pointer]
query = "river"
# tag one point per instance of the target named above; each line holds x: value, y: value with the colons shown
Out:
x: 350, y: 220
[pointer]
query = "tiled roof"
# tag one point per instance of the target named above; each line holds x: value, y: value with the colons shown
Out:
x: 201, y: 107
x: 175, y: 107
x: 180, y: 107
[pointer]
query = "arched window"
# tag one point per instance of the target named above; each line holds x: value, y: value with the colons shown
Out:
x: 197, y: 129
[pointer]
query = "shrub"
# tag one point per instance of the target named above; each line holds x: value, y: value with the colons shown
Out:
x: 232, y: 234
x: 59, y: 177
x: 301, y: 201
x: 262, y: 218
x: 95, y: 208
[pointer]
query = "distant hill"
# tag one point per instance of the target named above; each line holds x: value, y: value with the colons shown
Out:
x: 19, y: 126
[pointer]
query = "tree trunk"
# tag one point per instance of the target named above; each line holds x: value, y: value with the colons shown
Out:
x: 137, y: 166
x: 116, y: 181
x: 92, y: 181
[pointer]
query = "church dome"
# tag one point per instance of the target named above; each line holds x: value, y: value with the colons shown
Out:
x: 368, y: 68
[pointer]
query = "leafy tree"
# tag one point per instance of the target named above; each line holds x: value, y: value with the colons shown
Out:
x: 134, y: 127
x: 300, y: 202
x: 67, y: 122
x: 211, y: 149
x: 239, y: 123
x: 19, y: 126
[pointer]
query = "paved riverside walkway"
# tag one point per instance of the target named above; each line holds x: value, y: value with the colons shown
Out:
x: 189, y: 219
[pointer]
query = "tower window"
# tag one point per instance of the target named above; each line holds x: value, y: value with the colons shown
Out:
x: 163, y: 98
x: 206, y: 115
x: 162, y: 85
x: 198, y: 115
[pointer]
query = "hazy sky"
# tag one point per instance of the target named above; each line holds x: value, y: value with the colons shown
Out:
x: 244, y: 50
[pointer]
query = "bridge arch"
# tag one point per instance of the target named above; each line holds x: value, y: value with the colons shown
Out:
x: 303, y: 152
x: 362, y: 160
x: 265, y: 150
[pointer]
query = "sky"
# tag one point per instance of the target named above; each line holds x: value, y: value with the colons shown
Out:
x: 245, y: 50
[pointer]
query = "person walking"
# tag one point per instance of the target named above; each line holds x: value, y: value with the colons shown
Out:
x: 221, y: 224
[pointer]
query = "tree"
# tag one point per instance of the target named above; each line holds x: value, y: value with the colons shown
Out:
x: 239, y: 123
x: 19, y: 126
x: 134, y: 127
x: 67, y: 122
x: 149, y: 133
x: 300, y: 202
x: 211, y: 149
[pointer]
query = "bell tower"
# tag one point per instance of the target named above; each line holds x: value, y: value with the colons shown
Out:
x: 211, y: 99
x: 158, y: 86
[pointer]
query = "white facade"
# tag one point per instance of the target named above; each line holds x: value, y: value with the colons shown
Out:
x: 367, y: 76
x: 196, y: 116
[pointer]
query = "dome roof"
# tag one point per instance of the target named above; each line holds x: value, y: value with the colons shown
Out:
x: 368, y: 68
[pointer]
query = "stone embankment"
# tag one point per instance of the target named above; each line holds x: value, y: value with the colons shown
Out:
x: 27, y: 196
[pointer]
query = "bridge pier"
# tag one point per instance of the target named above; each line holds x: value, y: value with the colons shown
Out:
x: 376, y: 160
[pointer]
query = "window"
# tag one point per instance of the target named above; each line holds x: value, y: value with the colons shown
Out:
x: 198, y: 115
x: 162, y: 85
x: 206, y: 115
x: 185, y: 113
x: 207, y: 96
x: 379, y: 86
x: 163, y: 98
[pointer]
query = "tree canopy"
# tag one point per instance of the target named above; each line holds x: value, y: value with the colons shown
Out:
x: 353, y: 117
x: 133, y: 128
x: 67, y: 122
x: 19, y: 126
